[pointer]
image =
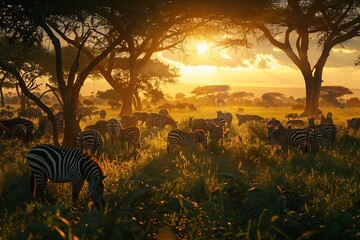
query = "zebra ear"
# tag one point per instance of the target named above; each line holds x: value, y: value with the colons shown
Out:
x: 280, y: 189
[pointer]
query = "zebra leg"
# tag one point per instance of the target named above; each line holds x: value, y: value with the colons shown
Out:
x: 40, y: 186
x: 76, y: 188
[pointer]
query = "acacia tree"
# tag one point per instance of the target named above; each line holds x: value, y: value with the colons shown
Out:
x: 154, y: 25
x: 331, y: 94
x: 46, y: 17
x: 290, y: 25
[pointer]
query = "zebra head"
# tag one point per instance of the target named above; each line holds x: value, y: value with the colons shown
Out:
x: 96, y: 190
x: 202, y: 138
x: 191, y: 120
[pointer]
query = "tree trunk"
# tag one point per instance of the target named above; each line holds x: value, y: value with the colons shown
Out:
x: 72, y: 127
x: 313, y: 85
x: 138, y: 106
x: 2, y: 95
x: 127, y: 98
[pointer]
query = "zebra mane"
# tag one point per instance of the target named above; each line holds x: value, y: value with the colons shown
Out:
x: 90, y: 156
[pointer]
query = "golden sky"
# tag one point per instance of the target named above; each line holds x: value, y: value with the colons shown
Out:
x: 263, y: 65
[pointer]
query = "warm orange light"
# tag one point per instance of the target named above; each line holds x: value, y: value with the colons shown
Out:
x: 202, y: 48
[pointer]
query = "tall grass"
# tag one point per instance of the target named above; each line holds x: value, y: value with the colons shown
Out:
x: 225, y: 192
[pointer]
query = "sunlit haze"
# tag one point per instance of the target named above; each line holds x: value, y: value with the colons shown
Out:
x: 262, y: 67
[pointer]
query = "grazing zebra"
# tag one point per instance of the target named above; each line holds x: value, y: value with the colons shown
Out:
x: 292, y: 201
x: 179, y: 137
x: 11, y: 123
x: 90, y: 140
x: 293, y: 137
x: 220, y: 122
x: 113, y: 127
x: 198, y: 124
x: 31, y: 113
x: 156, y: 120
x: 247, y: 117
x: 273, y: 123
x: 102, y: 114
x: 353, y: 123
x: 65, y: 165
x: 19, y: 132
x: 83, y: 112
x: 100, y: 126
x: 164, y: 113
x: 45, y: 128
x: 225, y: 115
x: 216, y: 134
x: 131, y: 136
x: 328, y: 131
x: 128, y: 121
x: 141, y: 116
x: 6, y: 114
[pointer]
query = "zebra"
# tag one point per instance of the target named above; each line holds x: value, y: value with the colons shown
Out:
x: 65, y: 165
x: 273, y: 123
x: 141, y: 116
x: 113, y: 127
x: 198, y: 124
x: 131, y: 136
x: 294, y: 137
x: 225, y: 115
x: 11, y: 123
x: 5, y: 133
x: 245, y: 118
x: 156, y: 120
x: 128, y: 121
x: 100, y: 126
x: 328, y: 131
x: 291, y: 201
x: 164, y: 113
x: 179, y: 137
x: 19, y: 132
x: 216, y: 134
x: 6, y: 114
x: 45, y: 128
x: 83, y: 112
x: 90, y: 140
x: 353, y: 123
x: 31, y: 113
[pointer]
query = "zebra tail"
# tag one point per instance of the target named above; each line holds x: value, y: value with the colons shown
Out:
x: 32, y: 184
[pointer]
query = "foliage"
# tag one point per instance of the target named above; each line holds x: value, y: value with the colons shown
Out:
x: 331, y: 94
x: 108, y: 94
x: 224, y: 193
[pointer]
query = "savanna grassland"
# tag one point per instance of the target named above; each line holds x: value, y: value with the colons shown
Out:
x: 225, y: 192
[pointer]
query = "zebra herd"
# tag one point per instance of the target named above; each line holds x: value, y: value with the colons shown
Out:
x: 77, y: 165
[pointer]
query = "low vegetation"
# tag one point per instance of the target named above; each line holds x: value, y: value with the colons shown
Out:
x: 228, y: 192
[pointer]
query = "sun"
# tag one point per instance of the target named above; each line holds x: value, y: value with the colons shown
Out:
x: 202, y: 48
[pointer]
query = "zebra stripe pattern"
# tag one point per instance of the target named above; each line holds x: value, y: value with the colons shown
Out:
x: 291, y: 201
x: 113, y: 128
x: 198, y: 124
x: 220, y: 122
x: 227, y: 116
x: 292, y: 137
x: 90, y: 140
x: 128, y: 121
x: 11, y: 123
x: 216, y: 134
x: 131, y: 136
x: 179, y: 137
x: 65, y: 165
x: 45, y: 127
x: 141, y: 116
x: 156, y: 120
